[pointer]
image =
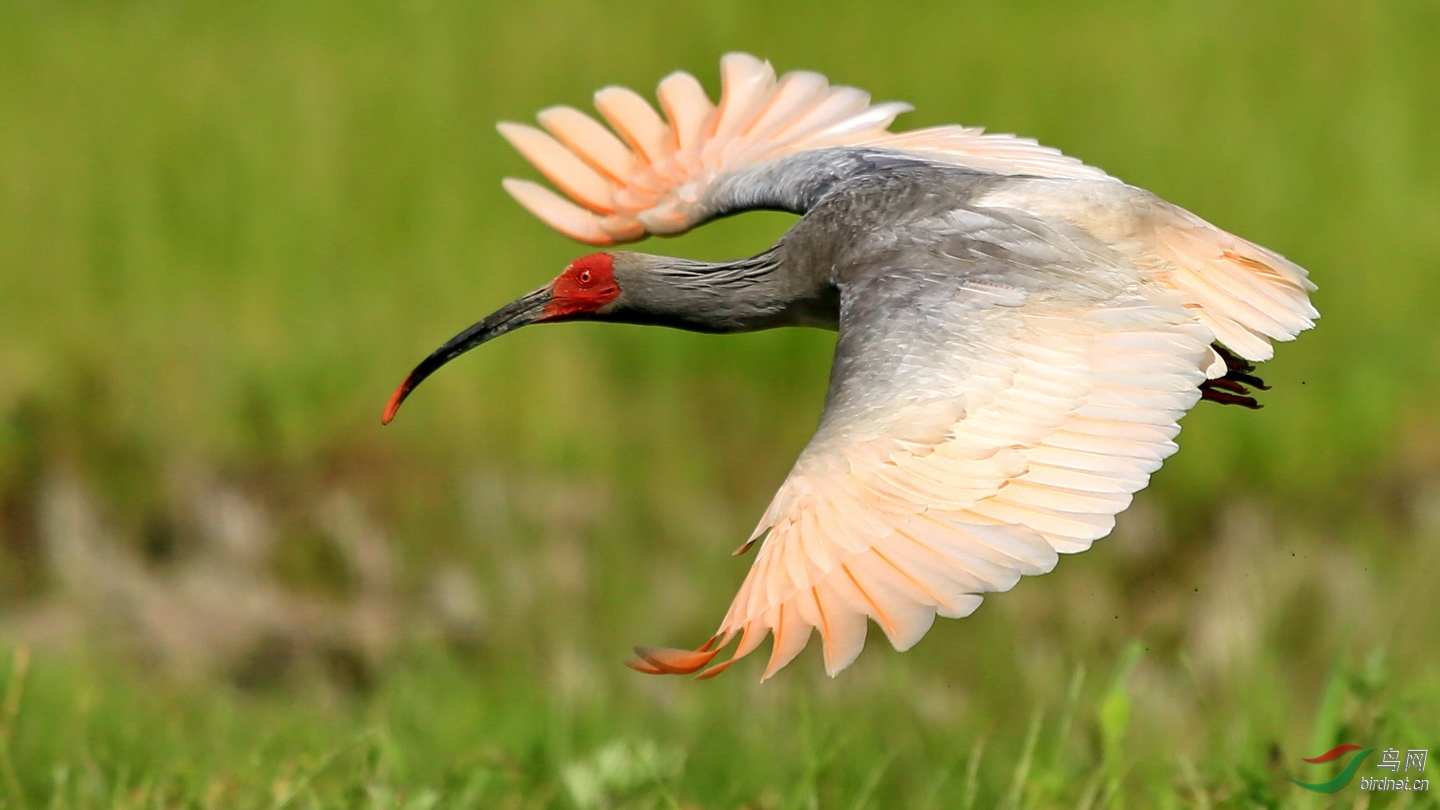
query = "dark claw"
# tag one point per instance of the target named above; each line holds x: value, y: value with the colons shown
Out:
x: 1229, y: 399
x: 1233, y: 361
x: 1231, y: 389
x: 1226, y: 384
x: 1249, y: 379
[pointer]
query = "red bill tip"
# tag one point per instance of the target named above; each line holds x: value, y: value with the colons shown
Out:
x: 395, y: 399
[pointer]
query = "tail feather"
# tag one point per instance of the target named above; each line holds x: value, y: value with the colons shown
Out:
x: 1247, y: 295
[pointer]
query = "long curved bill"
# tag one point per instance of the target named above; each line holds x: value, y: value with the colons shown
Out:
x: 525, y: 310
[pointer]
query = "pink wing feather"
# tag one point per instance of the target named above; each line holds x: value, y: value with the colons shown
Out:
x: 649, y: 174
x: 1066, y: 416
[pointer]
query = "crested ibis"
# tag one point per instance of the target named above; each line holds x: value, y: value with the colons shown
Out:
x: 1019, y: 334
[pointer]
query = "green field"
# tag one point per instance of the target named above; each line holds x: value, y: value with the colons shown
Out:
x: 227, y: 230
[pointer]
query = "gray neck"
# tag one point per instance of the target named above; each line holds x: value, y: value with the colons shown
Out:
x: 761, y: 292
x: 779, y: 287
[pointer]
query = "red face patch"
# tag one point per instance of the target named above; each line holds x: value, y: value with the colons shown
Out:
x: 586, y: 285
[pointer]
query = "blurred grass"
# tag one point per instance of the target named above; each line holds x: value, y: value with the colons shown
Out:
x: 227, y: 230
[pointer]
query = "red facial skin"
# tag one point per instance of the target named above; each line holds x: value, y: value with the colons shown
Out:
x: 587, y: 285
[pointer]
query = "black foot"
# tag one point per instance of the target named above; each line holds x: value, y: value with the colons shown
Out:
x: 1231, y: 389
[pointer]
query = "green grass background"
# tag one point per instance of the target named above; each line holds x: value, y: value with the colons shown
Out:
x: 228, y: 229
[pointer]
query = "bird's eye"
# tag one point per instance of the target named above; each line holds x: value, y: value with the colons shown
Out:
x: 584, y: 276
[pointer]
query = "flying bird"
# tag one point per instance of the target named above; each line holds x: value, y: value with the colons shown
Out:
x: 1019, y: 334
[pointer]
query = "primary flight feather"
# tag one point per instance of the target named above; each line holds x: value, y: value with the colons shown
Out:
x: 1020, y: 334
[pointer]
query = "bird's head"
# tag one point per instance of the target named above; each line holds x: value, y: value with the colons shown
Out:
x: 585, y: 290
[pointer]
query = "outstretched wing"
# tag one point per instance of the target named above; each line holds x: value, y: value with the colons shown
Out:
x: 772, y: 143
x: 659, y: 175
x: 995, y: 401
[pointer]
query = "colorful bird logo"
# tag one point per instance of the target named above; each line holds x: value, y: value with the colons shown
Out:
x: 1341, y: 779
